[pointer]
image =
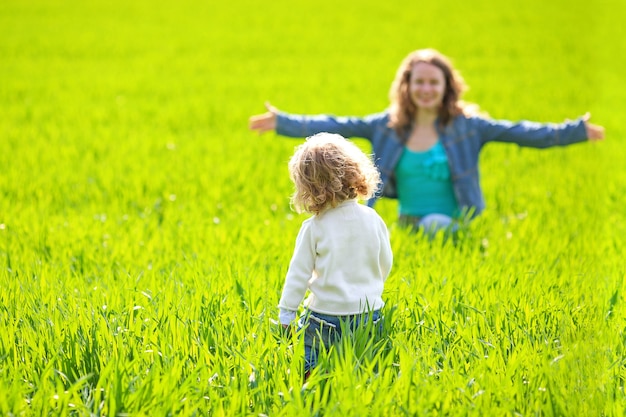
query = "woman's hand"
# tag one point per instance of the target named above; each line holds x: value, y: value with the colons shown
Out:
x: 264, y: 122
x: 594, y: 132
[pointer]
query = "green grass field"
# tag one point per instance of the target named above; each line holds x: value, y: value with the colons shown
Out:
x: 145, y: 232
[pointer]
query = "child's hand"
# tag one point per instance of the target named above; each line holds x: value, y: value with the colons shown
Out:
x: 287, y: 330
x: 282, y: 331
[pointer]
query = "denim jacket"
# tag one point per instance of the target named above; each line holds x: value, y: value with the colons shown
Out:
x: 462, y: 138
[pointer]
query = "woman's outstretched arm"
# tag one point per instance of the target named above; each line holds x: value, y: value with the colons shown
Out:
x: 264, y: 122
x: 594, y: 132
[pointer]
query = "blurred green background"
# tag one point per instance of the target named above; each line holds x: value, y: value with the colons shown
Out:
x: 128, y: 177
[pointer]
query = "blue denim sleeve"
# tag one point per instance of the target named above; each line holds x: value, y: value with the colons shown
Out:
x: 300, y: 126
x: 531, y: 134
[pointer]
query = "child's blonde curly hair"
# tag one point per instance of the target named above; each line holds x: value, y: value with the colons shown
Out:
x: 327, y: 170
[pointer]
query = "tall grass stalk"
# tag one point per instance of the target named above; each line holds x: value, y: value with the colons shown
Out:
x: 145, y: 232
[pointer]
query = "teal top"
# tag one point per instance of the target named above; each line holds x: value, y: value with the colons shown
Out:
x: 424, y: 184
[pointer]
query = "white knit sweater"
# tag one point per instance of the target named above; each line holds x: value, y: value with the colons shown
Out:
x: 343, y: 257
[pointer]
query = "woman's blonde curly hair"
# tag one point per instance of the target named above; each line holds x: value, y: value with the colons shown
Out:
x: 327, y: 170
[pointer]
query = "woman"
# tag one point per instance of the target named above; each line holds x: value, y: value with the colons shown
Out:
x: 427, y: 143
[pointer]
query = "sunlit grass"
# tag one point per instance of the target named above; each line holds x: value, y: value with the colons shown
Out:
x: 145, y: 232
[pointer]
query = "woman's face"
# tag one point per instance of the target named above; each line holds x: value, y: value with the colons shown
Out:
x: 427, y: 86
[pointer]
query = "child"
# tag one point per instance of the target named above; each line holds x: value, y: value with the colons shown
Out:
x: 342, y: 253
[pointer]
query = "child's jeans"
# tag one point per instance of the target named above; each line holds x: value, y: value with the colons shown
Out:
x: 327, y: 330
